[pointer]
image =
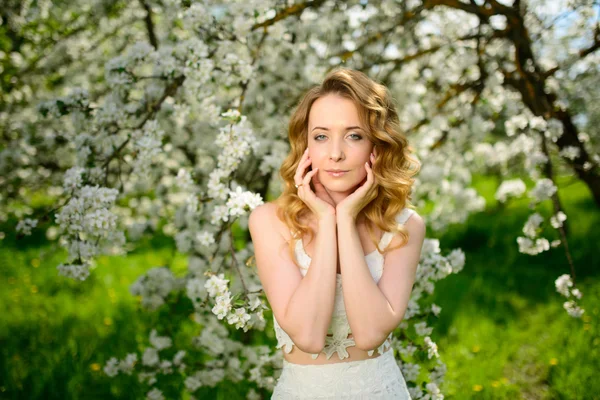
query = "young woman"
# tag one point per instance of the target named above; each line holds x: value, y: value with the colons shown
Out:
x: 353, y: 243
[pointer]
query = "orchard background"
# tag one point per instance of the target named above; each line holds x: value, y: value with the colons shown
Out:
x: 137, y: 136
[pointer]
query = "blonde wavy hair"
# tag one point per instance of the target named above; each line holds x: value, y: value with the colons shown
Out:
x: 393, y: 169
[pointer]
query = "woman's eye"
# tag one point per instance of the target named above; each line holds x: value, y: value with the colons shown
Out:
x: 358, y: 137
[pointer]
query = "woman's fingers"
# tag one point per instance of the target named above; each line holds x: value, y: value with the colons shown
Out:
x: 308, y: 177
x: 304, y: 163
x: 317, y: 181
x: 306, y: 190
x: 370, y: 177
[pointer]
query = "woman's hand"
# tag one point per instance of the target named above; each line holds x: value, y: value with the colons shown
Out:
x: 349, y: 206
x: 316, y: 204
x: 321, y: 192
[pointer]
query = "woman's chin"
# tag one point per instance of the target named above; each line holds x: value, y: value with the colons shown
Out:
x: 340, y: 187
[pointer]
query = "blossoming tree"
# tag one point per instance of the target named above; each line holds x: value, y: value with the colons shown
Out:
x: 169, y: 116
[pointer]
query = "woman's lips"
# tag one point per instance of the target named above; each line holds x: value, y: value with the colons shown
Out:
x: 337, y: 174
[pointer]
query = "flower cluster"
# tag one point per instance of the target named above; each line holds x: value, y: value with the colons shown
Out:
x: 564, y: 286
x: 544, y: 189
x: 147, y: 145
x: 26, y: 225
x: 236, y: 141
x: 218, y: 290
x: 510, y: 188
x: 88, y: 224
x: 531, y: 244
x: 77, y: 100
x: 151, y: 365
x: 154, y: 287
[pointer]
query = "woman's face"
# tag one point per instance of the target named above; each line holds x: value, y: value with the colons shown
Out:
x: 338, y: 140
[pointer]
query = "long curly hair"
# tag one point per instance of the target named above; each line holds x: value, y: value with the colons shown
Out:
x: 393, y: 169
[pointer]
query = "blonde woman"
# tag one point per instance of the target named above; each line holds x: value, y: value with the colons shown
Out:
x: 337, y: 252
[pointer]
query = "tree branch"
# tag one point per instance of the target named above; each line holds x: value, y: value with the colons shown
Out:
x: 296, y: 9
x: 149, y: 24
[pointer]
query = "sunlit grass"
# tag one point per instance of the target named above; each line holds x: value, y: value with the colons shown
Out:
x: 503, y: 331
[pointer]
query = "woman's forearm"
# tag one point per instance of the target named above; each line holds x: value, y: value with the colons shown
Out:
x: 311, y: 307
x: 366, y: 306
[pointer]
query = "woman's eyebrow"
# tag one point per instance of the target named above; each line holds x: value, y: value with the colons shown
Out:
x: 326, y: 129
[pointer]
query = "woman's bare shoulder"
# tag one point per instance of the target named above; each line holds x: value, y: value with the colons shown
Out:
x: 267, y: 215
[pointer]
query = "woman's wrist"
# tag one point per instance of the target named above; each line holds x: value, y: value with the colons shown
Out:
x: 344, y: 219
x: 327, y: 218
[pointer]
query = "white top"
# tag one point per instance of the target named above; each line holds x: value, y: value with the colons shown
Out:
x: 339, y: 326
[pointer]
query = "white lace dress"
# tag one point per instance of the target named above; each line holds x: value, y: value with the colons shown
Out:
x: 376, y: 378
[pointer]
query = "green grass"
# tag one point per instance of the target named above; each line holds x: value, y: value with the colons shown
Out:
x: 57, y: 334
x: 502, y: 331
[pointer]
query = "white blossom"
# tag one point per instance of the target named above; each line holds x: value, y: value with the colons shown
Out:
x: 557, y: 220
x: 139, y: 52
x: 74, y: 271
x: 422, y: 329
x: 239, y: 200
x: 573, y: 309
x: 570, y: 152
x: 408, y: 350
x: 127, y: 364
x: 73, y: 178
x: 431, y: 348
x: 24, y: 226
x: 410, y: 371
x: 438, y: 373
x: 179, y: 357
x: 205, y: 238
x: 216, y: 285
x: 433, y: 392
x: 150, y: 357
x: 160, y: 342
x: 112, y: 367
x: 528, y: 246
x: 154, y: 287
x: 532, y: 225
x: 222, y: 306
x: 155, y: 394
x: 456, y: 258
x: 148, y: 378
x: 239, y: 318
x: 510, y: 188
x: 195, y: 290
x: 192, y: 383
x: 563, y: 283
x: 544, y: 189
x: 415, y: 392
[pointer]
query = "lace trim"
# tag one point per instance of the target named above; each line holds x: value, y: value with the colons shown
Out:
x: 339, y: 326
x: 338, y: 343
